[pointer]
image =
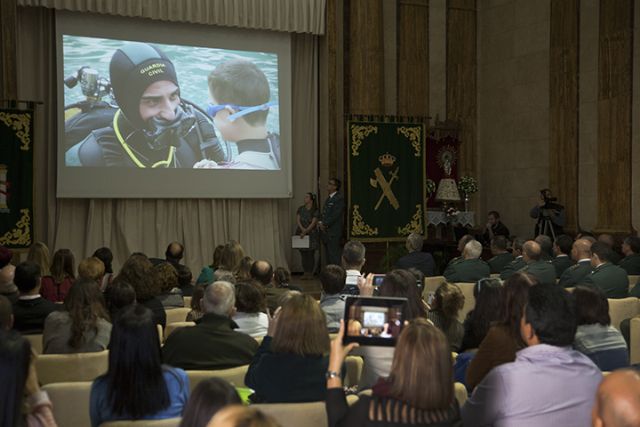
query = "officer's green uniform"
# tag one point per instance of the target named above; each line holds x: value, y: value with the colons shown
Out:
x: 611, y: 279
x: 561, y: 263
x: 575, y: 274
x: 512, y: 267
x: 631, y: 264
x: 499, y: 262
x: 541, y: 270
x: 468, y: 270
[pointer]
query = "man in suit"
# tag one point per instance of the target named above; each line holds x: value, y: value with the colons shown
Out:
x: 581, y: 254
x: 471, y: 268
x: 331, y: 223
x: 546, y: 247
x: 31, y: 309
x: 501, y: 257
x: 610, y: 278
x: 541, y: 270
x: 561, y: 249
x: 422, y: 261
x: 610, y: 241
x: 631, y: 251
x: 212, y: 343
x: 517, y: 263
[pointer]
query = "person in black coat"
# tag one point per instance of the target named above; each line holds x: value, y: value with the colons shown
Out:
x: 417, y: 259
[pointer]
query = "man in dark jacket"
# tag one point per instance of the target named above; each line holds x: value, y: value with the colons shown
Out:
x: 422, y: 261
x: 31, y: 309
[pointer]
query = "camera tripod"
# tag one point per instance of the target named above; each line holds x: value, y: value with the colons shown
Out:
x: 545, y: 226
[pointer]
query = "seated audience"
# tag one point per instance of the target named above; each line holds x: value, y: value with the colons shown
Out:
x: 290, y: 363
x: 446, y: 305
x: 332, y: 279
x: 581, y: 254
x: 501, y: 257
x: 503, y: 339
x: 518, y: 262
x: 211, y: 343
x: 561, y: 251
x: 137, y: 385
x: 549, y: 383
x: 170, y: 295
x: 610, y: 242
x: 185, y: 281
x: 31, y: 308
x: 353, y: 259
x: 461, y: 244
x: 56, y: 286
x: 242, y: 416
x: 91, y: 268
x: 243, y: 272
x: 423, y: 261
x: 543, y: 271
x: 139, y: 273
x: 209, y: 396
x: 232, y: 254
x: 7, y: 270
x: 494, y: 228
x: 119, y: 295
x: 39, y: 253
x: 83, y: 326
x: 631, y: 250
x: 617, y: 402
x: 282, y: 279
x: 596, y: 337
x: 250, y: 304
x: 105, y: 255
x: 471, y: 268
x: 206, y: 274
x: 415, y: 393
x: 6, y: 313
x: 196, y: 312
x: 174, y: 253
x: 486, y: 311
x: 221, y: 275
x: 546, y: 247
x: 262, y: 272
x: 22, y: 403
x: 610, y: 278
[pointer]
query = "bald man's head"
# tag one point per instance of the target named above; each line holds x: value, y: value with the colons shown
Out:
x: 531, y: 251
x: 618, y: 400
x: 581, y: 249
x: 262, y: 271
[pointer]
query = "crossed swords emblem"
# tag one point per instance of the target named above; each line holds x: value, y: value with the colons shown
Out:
x: 385, y: 186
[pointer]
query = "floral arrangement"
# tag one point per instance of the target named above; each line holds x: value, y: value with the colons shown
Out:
x: 468, y: 185
x: 431, y: 187
x: 452, y: 212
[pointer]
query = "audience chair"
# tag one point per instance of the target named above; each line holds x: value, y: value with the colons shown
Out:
x: 570, y: 289
x: 258, y: 339
x: 177, y: 314
x: 623, y: 308
x: 36, y: 342
x: 634, y: 342
x: 171, y: 327
x: 169, y: 422
x: 235, y: 376
x: 70, y: 403
x: 469, y: 299
x: 431, y: 284
x: 309, y: 414
x: 460, y: 391
x: 494, y: 275
x: 187, y: 301
x: 160, y: 333
x: 353, y: 372
x: 75, y: 367
x: 633, y: 279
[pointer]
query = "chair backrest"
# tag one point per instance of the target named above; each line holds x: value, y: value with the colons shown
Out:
x: 633, y: 279
x: 310, y: 414
x: 76, y: 367
x: 469, y: 299
x: 623, y: 308
x: 634, y: 355
x: 233, y: 375
x: 187, y: 301
x: 177, y: 314
x: 160, y: 333
x: 167, y: 422
x: 431, y: 284
x: 495, y: 275
x: 353, y: 366
x: 460, y: 391
x: 36, y: 342
x: 171, y: 327
x: 70, y: 403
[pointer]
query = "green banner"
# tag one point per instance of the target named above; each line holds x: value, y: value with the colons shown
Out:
x: 16, y: 178
x: 386, y: 180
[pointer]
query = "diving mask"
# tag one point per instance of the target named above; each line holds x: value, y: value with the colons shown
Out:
x: 162, y: 134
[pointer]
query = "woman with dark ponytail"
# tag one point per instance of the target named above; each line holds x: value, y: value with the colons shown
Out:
x: 307, y: 220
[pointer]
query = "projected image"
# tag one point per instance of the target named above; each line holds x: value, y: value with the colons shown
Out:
x: 142, y: 105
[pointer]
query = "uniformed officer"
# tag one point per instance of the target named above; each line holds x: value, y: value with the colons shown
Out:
x: 541, y: 270
x: 501, y: 257
x: 631, y: 251
x: 561, y: 250
x: 461, y: 244
x: 607, y: 276
x: 574, y: 275
x: 517, y: 263
x: 471, y: 268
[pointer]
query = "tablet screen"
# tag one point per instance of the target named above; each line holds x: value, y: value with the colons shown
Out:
x: 373, y: 320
